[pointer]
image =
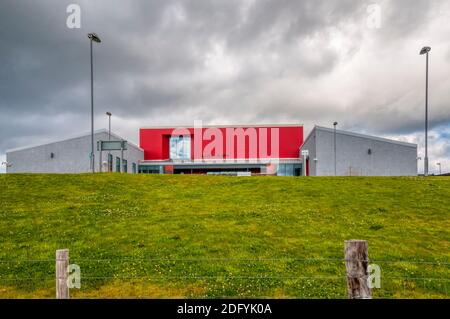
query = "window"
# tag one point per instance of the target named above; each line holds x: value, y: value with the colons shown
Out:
x: 180, y: 147
x: 118, y: 164
x: 110, y: 163
x: 150, y: 169
x: 289, y: 170
x: 281, y: 170
x: 125, y: 166
x: 134, y: 168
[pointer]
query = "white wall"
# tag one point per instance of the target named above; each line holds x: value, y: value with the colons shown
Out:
x: 387, y: 158
x: 353, y: 158
x: 70, y: 156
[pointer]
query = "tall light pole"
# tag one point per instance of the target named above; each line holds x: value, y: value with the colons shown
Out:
x: 93, y: 38
x: 334, y: 124
x: 426, y: 50
x: 439, y: 164
x: 109, y: 138
x: 109, y: 132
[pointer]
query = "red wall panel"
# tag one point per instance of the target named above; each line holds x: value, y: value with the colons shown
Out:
x: 155, y: 141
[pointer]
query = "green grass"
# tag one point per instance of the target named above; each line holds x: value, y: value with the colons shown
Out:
x: 211, y: 236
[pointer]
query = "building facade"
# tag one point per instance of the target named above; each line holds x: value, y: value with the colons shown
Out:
x: 261, y: 149
x: 357, y: 154
x: 226, y: 150
x: 72, y: 155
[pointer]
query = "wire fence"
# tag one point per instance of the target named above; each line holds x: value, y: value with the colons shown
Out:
x: 221, y: 277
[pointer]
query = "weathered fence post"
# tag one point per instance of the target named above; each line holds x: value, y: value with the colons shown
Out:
x: 62, y: 262
x: 356, y: 263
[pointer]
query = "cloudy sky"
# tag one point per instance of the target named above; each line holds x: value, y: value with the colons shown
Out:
x: 226, y: 62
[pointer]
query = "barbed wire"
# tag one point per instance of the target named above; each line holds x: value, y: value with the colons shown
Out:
x: 193, y: 259
x: 220, y: 277
x: 395, y: 284
x: 392, y: 287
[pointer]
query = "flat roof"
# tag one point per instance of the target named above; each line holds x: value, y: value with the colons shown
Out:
x: 72, y: 137
x: 371, y: 137
x: 220, y: 126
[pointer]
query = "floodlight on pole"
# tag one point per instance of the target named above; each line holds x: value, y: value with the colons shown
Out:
x: 109, y: 125
x: 426, y: 50
x: 93, y: 38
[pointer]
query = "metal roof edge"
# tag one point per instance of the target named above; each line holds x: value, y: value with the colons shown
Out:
x: 381, y: 139
x: 68, y: 138
x: 221, y: 126
x: 308, y: 136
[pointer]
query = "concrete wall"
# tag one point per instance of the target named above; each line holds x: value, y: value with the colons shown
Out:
x: 70, y: 156
x: 386, y: 158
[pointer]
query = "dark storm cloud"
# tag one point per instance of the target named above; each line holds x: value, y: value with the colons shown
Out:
x: 233, y: 61
x: 46, y: 64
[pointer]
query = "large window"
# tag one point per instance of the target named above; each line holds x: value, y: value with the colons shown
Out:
x: 289, y: 170
x: 125, y: 166
x: 180, y: 147
x: 150, y: 169
x: 118, y: 164
x: 110, y: 163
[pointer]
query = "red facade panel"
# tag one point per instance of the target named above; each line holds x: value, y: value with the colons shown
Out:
x: 251, y: 142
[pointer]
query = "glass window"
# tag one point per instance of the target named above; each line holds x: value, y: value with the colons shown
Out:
x: 180, y: 147
x: 110, y: 162
x: 118, y: 164
x: 281, y: 170
x: 125, y: 166
x: 134, y: 168
x: 289, y: 170
x: 150, y: 169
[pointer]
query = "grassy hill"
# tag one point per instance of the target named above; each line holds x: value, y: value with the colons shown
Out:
x: 212, y: 236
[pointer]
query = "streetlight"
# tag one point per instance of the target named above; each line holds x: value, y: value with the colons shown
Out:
x: 94, y: 38
x: 439, y: 164
x: 109, y: 134
x: 334, y: 124
x: 426, y: 50
x: 109, y: 138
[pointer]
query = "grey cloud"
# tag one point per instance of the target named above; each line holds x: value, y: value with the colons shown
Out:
x: 151, y: 66
x: 404, y: 17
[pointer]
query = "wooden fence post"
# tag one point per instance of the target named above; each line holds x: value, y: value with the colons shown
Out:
x: 356, y: 263
x: 62, y: 262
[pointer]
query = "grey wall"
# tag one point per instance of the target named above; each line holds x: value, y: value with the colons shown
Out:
x: 70, y: 156
x: 310, y: 145
x: 387, y: 158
